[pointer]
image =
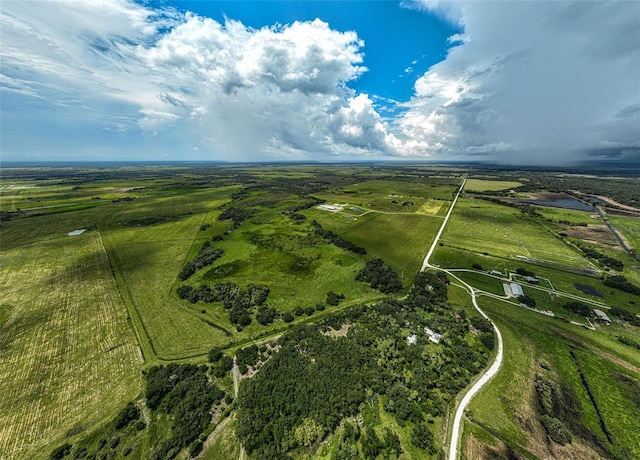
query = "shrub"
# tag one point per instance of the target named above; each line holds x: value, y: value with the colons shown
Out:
x: 215, y: 354
x: 61, y: 452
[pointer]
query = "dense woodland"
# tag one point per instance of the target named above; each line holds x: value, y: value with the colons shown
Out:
x: 307, y: 389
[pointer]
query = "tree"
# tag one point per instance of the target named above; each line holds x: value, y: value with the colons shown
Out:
x: 127, y: 415
x: 215, y: 354
x: 333, y: 298
x: 287, y: 317
x: 527, y: 300
x: 423, y: 438
x: 61, y: 452
x: 307, y: 433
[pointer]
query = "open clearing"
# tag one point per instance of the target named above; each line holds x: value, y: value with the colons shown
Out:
x: 68, y: 357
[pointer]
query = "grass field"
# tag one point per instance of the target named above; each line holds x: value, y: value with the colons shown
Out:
x: 275, y: 251
x: 483, y: 185
x: 531, y: 339
x: 629, y: 227
x: 568, y: 215
x: 401, y: 240
x: 425, y: 197
x: 68, y: 357
x: 497, y: 230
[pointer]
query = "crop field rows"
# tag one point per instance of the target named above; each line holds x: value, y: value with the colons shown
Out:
x: 67, y: 351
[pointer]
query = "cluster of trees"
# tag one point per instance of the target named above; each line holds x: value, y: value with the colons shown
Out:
x: 314, y: 381
x: 337, y: 240
x: 127, y: 415
x: 547, y: 399
x: 380, y: 276
x: 8, y: 215
x: 294, y: 211
x: 236, y: 215
x: 334, y: 298
x: 247, y: 356
x: 527, y: 300
x: 626, y: 315
x: 184, y: 392
x: 429, y: 290
x: 180, y: 394
x: 621, y: 283
x: 206, y: 256
x: 578, y: 307
x: 237, y: 301
x: 602, y: 258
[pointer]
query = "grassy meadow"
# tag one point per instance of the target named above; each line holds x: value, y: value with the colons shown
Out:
x: 496, y: 230
x: 536, y: 344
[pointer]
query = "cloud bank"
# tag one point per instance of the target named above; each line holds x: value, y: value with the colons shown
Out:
x: 532, y: 82
x: 526, y: 82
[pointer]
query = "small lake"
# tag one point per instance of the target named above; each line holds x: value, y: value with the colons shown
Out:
x: 77, y: 232
x: 564, y: 203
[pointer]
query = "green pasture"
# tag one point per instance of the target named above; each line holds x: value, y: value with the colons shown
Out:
x: 425, y: 196
x: 483, y: 185
x: 299, y: 269
x: 68, y: 355
x: 558, y: 215
x: 447, y: 257
x: 501, y: 231
x: 481, y: 281
x: 401, y: 240
x: 629, y: 227
x: 530, y: 338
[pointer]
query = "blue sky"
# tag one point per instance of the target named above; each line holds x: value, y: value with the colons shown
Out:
x: 513, y: 82
x: 399, y: 43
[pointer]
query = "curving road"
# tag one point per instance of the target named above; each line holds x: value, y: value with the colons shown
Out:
x: 457, y: 420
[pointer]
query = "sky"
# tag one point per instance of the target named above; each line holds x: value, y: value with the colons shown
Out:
x: 511, y: 82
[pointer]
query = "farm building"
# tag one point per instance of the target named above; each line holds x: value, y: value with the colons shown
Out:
x: 516, y: 289
x: 328, y: 207
x: 433, y: 336
x: 602, y: 316
x: 531, y: 279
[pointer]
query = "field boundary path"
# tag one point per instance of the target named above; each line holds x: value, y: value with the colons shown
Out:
x: 235, y: 374
x: 495, y: 366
